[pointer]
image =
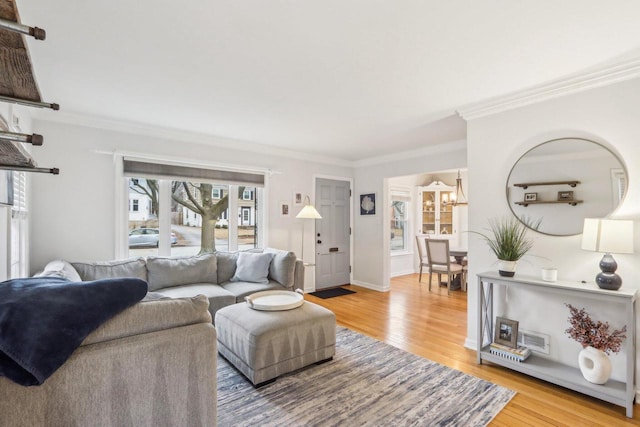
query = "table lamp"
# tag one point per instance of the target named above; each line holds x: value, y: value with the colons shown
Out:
x: 308, y: 212
x: 608, y: 236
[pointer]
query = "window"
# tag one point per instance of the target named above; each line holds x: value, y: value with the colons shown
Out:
x: 19, y: 220
x: 134, y: 205
x: 399, y: 221
x: 192, y: 211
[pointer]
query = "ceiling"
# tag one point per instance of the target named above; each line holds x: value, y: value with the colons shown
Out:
x: 346, y: 79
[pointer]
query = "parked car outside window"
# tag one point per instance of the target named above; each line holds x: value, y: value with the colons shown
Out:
x: 147, y: 237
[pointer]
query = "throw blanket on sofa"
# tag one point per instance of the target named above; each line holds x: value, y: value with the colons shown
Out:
x: 44, y: 319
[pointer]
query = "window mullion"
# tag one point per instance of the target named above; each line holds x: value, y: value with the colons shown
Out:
x: 164, y: 218
x: 233, y: 218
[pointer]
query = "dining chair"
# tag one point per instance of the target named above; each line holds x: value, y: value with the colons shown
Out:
x: 439, y: 261
x: 422, y: 257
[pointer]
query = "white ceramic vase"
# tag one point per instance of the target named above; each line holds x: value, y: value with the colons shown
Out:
x: 506, y: 268
x: 594, y: 365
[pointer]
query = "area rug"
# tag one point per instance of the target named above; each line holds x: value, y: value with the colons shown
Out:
x: 330, y: 293
x: 367, y: 383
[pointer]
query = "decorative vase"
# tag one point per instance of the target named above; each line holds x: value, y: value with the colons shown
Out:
x: 594, y: 365
x: 506, y: 268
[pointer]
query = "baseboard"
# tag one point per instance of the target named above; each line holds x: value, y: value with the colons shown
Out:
x: 402, y: 273
x: 470, y: 344
x: 370, y: 286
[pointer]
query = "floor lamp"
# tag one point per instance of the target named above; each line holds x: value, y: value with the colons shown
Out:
x: 308, y: 212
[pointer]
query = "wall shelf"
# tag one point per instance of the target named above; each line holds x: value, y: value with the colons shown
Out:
x: 542, y: 202
x: 526, y: 185
x: 621, y: 393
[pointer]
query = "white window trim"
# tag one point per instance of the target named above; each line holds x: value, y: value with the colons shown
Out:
x: 403, y: 194
x: 121, y: 193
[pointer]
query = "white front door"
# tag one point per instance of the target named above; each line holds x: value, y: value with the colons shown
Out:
x: 333, y: 234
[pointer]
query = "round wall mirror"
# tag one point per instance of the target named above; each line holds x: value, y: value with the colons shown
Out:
x: 560, y: 182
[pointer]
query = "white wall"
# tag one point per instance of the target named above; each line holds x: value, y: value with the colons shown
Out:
x: 607, y: 114
x: 73, y: 214
x: 371, y: 254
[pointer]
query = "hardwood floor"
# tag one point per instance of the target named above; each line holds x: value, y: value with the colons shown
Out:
x: 434, y: 325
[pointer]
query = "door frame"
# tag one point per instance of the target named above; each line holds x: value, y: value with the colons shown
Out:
x: 351, y: 218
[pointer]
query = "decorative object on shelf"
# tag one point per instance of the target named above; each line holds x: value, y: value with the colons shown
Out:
x: 597, y: 341
x: 530, y: 197
x: 519, y: 354
x: 509, y: 241
x: 549, y: 274
x: 368, y: 204
x: 608, y: 236
x: 506, y: 332
x: 565, y: 196
x: 308, y: 212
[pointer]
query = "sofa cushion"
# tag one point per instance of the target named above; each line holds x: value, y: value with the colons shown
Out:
x: 218, y: 297
x: 165, y: 272
x: 283, y: 266
x: 242, y: 289
x: 150, y: 315
x: 252, y: 267
x: 133, y: 267
x: 60, y: 268
x: 226, y: 265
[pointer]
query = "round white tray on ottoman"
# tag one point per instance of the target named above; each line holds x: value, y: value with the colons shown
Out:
x: 274, y: 300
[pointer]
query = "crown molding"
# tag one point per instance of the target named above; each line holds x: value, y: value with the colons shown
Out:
x: 121, y: 126
x: 444, y: 147
x: 590, y: 79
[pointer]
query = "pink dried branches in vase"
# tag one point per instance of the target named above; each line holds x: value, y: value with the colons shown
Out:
x: 594, y: 334
x: 597, y: 341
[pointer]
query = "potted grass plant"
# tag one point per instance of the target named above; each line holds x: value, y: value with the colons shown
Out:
x: 508, y: 241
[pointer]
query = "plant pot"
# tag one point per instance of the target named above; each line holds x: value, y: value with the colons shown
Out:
x: 507, y: 268
x: 594, y: 365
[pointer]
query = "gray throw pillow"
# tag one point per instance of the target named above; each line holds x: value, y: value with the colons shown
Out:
x: 134, y: 267
x: 252, y: 267
x: 165, y: 272
x: 226, y: 265
x: 283, y: 266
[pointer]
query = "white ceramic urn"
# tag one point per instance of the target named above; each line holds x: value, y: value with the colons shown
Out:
x: 594, y: 365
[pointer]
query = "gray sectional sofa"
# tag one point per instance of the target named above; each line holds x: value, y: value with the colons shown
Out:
x: 153, y: 364
x: 225, y: 278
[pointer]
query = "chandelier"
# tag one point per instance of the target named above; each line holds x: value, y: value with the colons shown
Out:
x: 458, y: 199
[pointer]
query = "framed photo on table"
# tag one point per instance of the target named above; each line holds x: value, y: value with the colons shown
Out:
x: 506, y: 332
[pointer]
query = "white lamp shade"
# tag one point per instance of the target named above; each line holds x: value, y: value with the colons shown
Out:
x: 608, y: 235
x: 309, y: 212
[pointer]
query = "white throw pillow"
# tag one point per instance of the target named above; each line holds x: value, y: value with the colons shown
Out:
x: 60, y: 268
x: 252, y: 267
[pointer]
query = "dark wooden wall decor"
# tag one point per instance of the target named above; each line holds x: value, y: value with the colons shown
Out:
x: 18, y: 85
x: 16, y: 73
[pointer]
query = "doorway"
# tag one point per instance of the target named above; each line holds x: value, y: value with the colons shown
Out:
x: 333, y: 233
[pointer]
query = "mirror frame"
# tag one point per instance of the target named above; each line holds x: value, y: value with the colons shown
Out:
x: 610, y: 151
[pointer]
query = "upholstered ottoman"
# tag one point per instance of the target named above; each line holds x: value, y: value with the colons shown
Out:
x: 266, y: 344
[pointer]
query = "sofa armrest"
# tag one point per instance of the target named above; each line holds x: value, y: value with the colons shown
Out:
x: 298, y: 276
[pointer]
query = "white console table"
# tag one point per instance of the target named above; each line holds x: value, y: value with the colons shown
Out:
x: 617, y: 392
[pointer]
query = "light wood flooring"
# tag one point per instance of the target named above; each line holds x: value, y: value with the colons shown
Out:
x: 434, y: 325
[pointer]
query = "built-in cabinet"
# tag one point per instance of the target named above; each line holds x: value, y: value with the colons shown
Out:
x: 438, y: 217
